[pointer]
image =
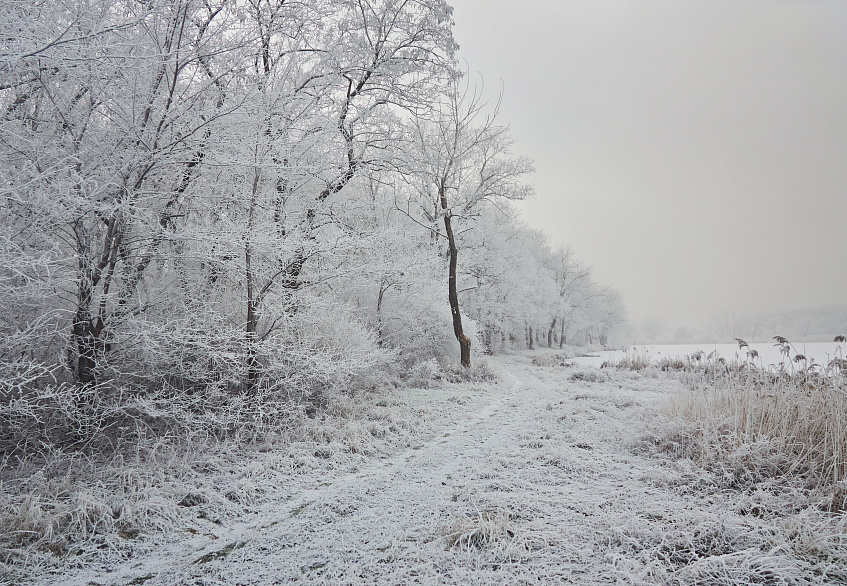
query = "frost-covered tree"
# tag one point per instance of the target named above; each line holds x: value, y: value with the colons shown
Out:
x: 188, y: 149
x: 102, y: 128
x: 508, y: 290
x: 325, y: 117
x: 463, y: 161
x: 233, y: 199
x: 575, y: 288
x: 605, y: 312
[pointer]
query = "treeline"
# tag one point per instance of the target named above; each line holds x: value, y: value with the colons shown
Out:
x: 243, y: 197
x: 808, y: 325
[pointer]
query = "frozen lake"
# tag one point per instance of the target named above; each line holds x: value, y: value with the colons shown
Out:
x: 769, y: 354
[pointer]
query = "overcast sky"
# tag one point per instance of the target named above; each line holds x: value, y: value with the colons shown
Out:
x: 693, y: 151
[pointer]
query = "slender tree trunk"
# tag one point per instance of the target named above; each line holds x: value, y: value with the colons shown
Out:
x: 531, y: 340
x: 86, y: 347
x: 252, y: 305
x: 561, y: 334
x: 382, y: 289
x: 452, y: 293
x: 550, y: 333
x: 252, y: 324
x: 83, y: 335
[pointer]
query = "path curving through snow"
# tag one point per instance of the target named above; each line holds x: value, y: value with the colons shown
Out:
x: 540, y: 481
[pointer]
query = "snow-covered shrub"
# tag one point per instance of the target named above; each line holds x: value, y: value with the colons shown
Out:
x: 423, y: 373
x: 375, y: 380
x: 323, y: 346
x: 479, y: 371
x: 421, y: 329
x: 551, y: 360
x: 589, y: 376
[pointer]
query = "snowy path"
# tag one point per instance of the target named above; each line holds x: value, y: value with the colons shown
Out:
x: 546, y: 465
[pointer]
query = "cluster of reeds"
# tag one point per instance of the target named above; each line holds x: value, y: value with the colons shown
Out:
x: 633, y: 359
x: 791, y: 419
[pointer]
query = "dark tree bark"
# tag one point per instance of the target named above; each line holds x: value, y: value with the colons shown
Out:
x: 452, y: 292
x: 550, y: 333
x: 253, y: 299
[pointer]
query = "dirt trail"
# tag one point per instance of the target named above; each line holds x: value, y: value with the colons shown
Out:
x: 540, y: 484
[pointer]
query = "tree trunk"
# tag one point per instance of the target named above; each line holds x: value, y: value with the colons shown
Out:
x: 531, y: 341
x: 379, y: 332
x: 252, y: 325
x: 452, y: 292
x: 562, y: 335
x: 82, y: 330
x: 550, y: 333
x: 86, y: 345
x: 88, y: 330
x: 252, y: 302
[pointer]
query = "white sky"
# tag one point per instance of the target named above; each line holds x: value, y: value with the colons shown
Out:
x: 693, y: 151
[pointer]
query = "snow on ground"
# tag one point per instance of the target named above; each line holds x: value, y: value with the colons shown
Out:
x: 544, y: 478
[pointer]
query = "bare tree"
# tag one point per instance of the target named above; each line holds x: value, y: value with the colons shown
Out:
x: 463, y: 160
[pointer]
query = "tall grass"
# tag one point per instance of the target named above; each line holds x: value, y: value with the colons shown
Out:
x: 632, y: 360
x: 755, y: 422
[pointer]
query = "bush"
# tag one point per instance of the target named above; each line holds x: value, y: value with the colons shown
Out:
x: 479, y: 371
x: 423, y: 373
x: 589, y: 376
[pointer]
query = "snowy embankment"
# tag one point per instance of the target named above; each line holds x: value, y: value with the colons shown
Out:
x: 545, y: 477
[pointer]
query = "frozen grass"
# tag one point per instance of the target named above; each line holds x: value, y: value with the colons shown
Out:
x: 98, y: 507
x: 480, y: 371
x: 589, y: 376
x: 764, y: 424
x: 553, y: 360
x: 632, y: 360
x: 540, y: 479
x: 482, y: 530
x: 774, y: 442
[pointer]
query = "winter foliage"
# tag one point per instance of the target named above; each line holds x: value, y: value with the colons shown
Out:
x: 249, y: 198
x: 220, y: 218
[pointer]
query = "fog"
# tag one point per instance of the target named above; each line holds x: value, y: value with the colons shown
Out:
x: 695, y: 153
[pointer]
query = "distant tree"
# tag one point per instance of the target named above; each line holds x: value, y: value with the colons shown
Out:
x: 682, y: 335
x: 732, y: 324
x: 507, y: 286
x: 652, y: 327
x: 575, y: 289
x: 607, y: 312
